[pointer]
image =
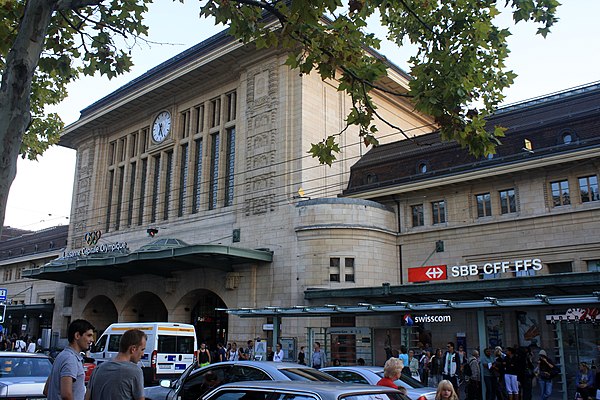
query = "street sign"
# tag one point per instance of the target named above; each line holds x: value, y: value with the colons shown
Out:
x: 2, y: 311
x: 3, y: 293
x: 429, y: 273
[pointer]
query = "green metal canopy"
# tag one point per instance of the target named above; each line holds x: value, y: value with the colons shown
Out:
x: 161, y: 257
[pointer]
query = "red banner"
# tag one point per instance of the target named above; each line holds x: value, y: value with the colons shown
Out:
x: 430, y: 273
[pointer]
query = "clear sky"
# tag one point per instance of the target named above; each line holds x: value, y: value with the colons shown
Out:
x: 41, y: 193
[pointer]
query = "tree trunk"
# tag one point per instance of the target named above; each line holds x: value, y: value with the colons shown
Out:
x: 15, y: 90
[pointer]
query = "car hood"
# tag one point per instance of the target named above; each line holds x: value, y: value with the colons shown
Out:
x: 26, y: 386
x: 156, y: 392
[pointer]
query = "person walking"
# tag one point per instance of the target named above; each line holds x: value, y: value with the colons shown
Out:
x: 451, y: 366
x: 67, y: 378
x: 424, y: 367
x: 319, y: 358
x: 436, y: 367
x: 120, y: 378
x: 278, y: 355
x: 546, y: 369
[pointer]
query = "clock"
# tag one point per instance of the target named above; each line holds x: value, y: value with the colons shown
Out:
x: 161, y: 126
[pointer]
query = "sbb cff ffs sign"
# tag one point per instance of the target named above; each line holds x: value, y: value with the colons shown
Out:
x: 430, y: 273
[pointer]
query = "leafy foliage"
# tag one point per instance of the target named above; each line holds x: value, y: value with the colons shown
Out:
x: 459, y: 67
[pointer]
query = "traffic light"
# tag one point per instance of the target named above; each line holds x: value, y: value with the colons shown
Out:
x: 151, y: 232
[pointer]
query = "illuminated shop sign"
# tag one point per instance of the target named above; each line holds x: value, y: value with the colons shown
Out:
x: 578, y: 315
x: 496, y: 267
x: 410, y: 320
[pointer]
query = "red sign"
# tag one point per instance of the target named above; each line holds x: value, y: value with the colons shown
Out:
x: 430, y: 273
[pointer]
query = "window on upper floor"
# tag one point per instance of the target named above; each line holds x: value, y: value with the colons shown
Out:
x: 341, y: 267
x: 588, y: 188
x: 508, y: 201
x: 560, y: 193
x: 349, y: 269
x: 438, y: 212
x: 334, y: 269
x: 417, y: 215
x: 593, y: 265
x: 484, y: 205
x: 560, y: 267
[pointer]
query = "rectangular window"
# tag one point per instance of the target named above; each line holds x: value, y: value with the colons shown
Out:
x: 417, y: 215
x: 197, y: 177
x: 122, y: 148
x: 199, y: 119
x: 231, y: 106
x: 144, y: 140
x: 484, y: 205
x: 438, y: 212
x: 508, y: 201
x: 119, y: 198
x: 131, y: 194
x: 142, y: 191
x: 185, y: 123
x: 588, y: 188
x: 560, y: 193
x: 112, y: 150
x: 560, y: 267
x: 68, y: 300
x: 349, y: 269
x: 155, y: 188
x: 214, y: 172
x: 133, y: 143
x: 334, y: 269
x: 168, y: 185
x: 183, y: 178
x: 230, y: 167
x: 593, y: 265
x: 215, y: 116
x: 111, y: 181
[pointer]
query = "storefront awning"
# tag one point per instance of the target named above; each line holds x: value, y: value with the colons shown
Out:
x: 161, y: 258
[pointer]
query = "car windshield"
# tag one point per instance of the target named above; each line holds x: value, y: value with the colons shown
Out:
x: 307, y: 374
x: 20, y: 367
x: 409, y: 380
x: 373, y: 396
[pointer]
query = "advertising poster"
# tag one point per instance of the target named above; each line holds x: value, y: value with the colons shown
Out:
x: 529, y: 331
x: 495, y: 330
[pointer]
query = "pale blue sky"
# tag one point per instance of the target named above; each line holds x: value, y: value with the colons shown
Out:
x: 41, y: 194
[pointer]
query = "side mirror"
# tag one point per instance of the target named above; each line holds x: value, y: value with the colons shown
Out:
x: 165, y: 383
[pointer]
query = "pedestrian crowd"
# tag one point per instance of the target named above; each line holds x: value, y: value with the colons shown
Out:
x: 22, y: 343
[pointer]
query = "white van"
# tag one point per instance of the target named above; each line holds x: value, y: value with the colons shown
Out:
x: 170, y: 347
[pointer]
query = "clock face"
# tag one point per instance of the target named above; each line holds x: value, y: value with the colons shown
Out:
x: 162, y: 126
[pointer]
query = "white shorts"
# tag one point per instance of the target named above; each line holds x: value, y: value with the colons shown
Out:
x: 512, y: 385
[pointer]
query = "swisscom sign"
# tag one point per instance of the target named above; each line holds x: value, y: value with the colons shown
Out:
x: 440, y: 272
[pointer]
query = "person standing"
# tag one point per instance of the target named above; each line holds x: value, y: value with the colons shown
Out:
x: 234, y: 354
x: 319, y: 358
x: 511, y: 368
x: 488, y: 376
x: 248, y: 352
x: 301, y: 356
x: 278, y: 355
x: 436, y: 367
x: 474, y: 383
x: 424, y: 367
x: 391, y: 372
x: 221, y: 353
x: 120, y: 378
x: 31, y: 345
x: 413, y: 365
x: 203, y: 356
x: 546, y: 372
x: 451, y: 366
x: 67, y: 378
x: 445, y: 391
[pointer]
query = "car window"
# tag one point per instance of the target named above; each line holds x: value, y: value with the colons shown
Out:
x: 202, y: 381
x: 241, y: 395
x: 374, y: 396
x: 292, y: 396
x: 349, y: 377
x: 410, y: 381
x: 307, y: 374
x: 239, y: 373
x: 113, y: 342
x: 175, y: 344
x: 99, y: 345
x: 24, y: 367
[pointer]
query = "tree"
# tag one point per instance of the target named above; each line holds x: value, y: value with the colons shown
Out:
x: 459, y: 67
x: 44, y: 45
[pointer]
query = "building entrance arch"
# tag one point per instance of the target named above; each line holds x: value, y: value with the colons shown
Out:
x: 211, y: 325
x: 144, y: 307
x: 101, y: 312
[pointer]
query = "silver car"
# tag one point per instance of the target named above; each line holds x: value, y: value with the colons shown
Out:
x: 23, y: 375
x: 261, y: 390
x: 195, y: 382
x: 371, y: 375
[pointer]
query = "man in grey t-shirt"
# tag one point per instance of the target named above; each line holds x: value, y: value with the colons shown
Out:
x: 67, y: 378
x: 120, y: 378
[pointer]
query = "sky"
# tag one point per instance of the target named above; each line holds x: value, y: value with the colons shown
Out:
x: 40, y: 195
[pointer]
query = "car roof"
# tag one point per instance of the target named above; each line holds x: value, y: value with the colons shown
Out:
x: 370, y: 368
x: 317, y: 387
x: 12, y: 354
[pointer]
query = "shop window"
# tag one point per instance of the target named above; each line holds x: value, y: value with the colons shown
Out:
x: 438, y: 212
x: 593, y: 265
x: 588, y: 188
x: 560, y: 193
x: 484, y: 205
x: 349, y: 269
x: 417, y: 215
x: 508, y: 201
x: 334, y: 269
x: 560, y: 267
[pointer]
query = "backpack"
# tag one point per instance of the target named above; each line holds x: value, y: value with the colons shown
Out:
x: 467, y: 371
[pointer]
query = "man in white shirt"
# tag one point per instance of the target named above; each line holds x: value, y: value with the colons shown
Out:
x: 278, y: 356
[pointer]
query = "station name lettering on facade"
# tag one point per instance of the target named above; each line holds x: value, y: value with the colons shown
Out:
x: 102, y: 248
x: 490, y: 268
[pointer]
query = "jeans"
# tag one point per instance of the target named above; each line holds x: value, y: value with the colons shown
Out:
x: 545, y: 389
x: 490, y: 387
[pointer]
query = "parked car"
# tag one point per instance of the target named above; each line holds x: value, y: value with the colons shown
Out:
x: 371, y: 375
x: 23, y: 375
x: 88, y: 367
x: 194, y: 382
x: 262, y: 390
